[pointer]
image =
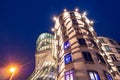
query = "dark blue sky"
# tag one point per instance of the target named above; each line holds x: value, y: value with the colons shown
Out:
x: 21, y: 22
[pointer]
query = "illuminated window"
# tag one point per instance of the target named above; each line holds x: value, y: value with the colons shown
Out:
x: 66, y: 45
x: 94, y: 75
x: 82, y: 41
x: 69, y: 75
x: 118, y: 49
x: 67, y: 58
x: 100, y: 58
x: 113, y: 57
x: 87, y: 56
x: 108, y: 76
x: 107, y: 48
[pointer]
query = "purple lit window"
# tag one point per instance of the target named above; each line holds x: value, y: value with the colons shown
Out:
x: 69, y: 75
x: 108, y: 76
x: 94, y: 75
x: 66, y: 45
x: 67, y: 58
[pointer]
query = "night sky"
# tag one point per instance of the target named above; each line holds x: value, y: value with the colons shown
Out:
x: 22, y: 21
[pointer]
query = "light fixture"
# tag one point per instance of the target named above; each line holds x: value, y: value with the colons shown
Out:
x: 53, y: 29
x: 85, y: 13
x: 91, y: 22
x: 54, y: 18
x: 65, y: 9
x: 76, y: 9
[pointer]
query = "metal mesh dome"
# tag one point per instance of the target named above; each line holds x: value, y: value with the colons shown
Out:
x: 44, y: 41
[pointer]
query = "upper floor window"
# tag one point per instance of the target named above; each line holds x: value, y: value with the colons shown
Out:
x: 69, y: 75
x: 87, y: 56
x: 68, y: 58
x: 118, y: 67
x: 100, y: 58
x: 82, y: 41
x: 118, y: 49
x: 93, y: 43
x: 101, y: 40
x: 66, y: 45
x: 74, y: 21
x: 107, y: 48
x: 113, y: 57
x: 108, y: 76
x: 94, y: 75
x: 112, y: 42
x: 72, y: 14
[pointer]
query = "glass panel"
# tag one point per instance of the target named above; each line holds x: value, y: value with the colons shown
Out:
x: 68, y: 58
x: 71, y: 76
x: 66, y: 45
x: 108, y: 76
x: 107, y: 48
x: 67, y: 77
x: 91, y: 76
x: 96, y: 76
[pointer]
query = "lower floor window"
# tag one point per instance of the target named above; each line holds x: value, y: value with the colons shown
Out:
x: 94, y: 75
x: 108, y: 76
x: 69, y: 75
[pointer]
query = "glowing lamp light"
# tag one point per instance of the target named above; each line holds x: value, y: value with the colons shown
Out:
x: 85, y: 13
x: 54, y: 18
x: 12, y: 69
x: 53, y: 29
x: 65, y: 9
x: 76, y: 9
x: 91, y: 22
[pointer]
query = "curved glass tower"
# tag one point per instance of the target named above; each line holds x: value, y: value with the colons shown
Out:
x: 44, y: 42
x: 45, y: 64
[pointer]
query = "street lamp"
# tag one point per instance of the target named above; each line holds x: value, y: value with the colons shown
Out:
x: 12, y: 70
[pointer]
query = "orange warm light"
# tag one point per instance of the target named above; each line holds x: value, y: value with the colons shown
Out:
x: 12, y: 69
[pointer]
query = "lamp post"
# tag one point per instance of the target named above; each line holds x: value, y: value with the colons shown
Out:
x: 12, y: 70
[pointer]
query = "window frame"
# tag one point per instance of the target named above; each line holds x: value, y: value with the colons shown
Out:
x: 93, y: 73
x: 101, y: 40
x: 113, y: 57
x: 67, y: 44
x: 83, y: 42
x: 107, y: 77
x: 87, y: 56
x: 107, y: 48
x: 100, y: 58
x: 69, y: 73
x: 66, y: 56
